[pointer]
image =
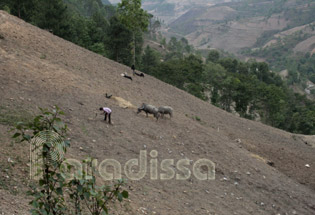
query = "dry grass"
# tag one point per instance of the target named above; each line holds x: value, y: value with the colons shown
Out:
x: 123, y: 103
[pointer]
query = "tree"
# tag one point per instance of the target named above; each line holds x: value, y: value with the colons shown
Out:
x: 229, y: 64
x: 24, y: 9
x: 134, y: 18
x: 244, y: 95
x: 53, y: 15
x: 275, y: 104
x: 97, y: 26
x: 119, y: 41
x: 80, y: 31
x: 213, y: 56
x: 213, y: 76
x: 154, y: 24
x: 229, y: 86
x: 193, y: 69
x: 163, y: 42
x: 150, y: 60
x: 196, y: 90
x: 174, y: 45
x: 187, y: 48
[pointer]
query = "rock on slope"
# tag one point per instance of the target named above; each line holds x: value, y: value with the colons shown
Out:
x: 38, y: 69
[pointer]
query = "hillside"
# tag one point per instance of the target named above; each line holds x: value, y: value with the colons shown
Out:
x: 279, y: 32
x: 259, y: 169
x: 241, y: 24
x: 170, y: 10
x: 89, y: 8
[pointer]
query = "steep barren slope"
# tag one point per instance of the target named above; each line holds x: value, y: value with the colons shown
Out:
x: 38, y: 69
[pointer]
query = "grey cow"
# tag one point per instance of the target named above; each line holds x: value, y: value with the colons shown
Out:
x: 149, y: 109
x: 165, y: 110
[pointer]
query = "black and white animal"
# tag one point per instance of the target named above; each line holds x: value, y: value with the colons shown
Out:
x: 139, y: 74
x: 165, y: 110
x: 108, y: 96
x: 126, y: 76
x: 149, y: 109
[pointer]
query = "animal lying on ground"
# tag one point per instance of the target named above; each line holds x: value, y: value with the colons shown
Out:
x: 149, y: 109
x: 126, y: 76
x: 165, y: 110
x: 139, y: 74
x: 108, y: 96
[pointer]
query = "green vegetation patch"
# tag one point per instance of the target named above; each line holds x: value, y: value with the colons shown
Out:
x: 42, y: 56
x: 10, y: 116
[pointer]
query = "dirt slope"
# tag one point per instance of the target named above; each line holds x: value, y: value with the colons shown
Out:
x: 38, y: 69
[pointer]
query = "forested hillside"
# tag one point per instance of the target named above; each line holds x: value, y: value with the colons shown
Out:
x: 247, y: 89
x: 90, y: 7
x: 87, y: 23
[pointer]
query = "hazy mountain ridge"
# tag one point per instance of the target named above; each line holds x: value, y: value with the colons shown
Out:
x: 170, y: 10
x: 105, y: 2
x: 233, y: 26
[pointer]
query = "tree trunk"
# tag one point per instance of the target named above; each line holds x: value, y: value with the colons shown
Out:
x: 116, y: 50
x: 134, y: 48
x: 19, y: 9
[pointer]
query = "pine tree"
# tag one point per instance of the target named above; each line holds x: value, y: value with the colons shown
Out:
x: 53, y: 15
x: 134, y: 18
x: 119, y: 42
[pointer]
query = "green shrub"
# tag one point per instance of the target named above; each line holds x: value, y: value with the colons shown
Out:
x: 53, y: 194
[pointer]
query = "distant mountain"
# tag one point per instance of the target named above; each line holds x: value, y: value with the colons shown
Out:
x: 246, y: 24
x: 169, y: 10
x: 114, y: 1
x: 106, y: 2
x: 280, y: 32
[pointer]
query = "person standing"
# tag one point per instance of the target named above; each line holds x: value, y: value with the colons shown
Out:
x: 133, y: 69
x: 107, y: 111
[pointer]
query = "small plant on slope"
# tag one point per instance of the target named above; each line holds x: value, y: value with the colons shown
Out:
x: 53, y: 190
